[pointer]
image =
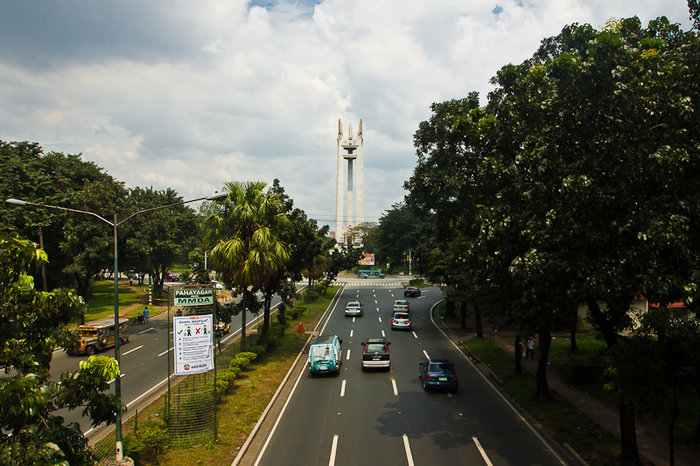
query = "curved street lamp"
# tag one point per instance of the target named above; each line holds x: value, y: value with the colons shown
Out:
x: 114, y: 224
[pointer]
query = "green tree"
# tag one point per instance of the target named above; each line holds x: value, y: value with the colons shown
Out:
x: 244, y: 236
x: 158, y: 240
x: 80, y: 246
x: 32, y: 324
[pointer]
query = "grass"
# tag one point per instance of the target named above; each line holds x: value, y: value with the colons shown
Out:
x: 240, y: 410
x: 564, y: 423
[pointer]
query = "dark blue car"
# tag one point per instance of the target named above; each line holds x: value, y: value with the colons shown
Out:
x: 438, y: 374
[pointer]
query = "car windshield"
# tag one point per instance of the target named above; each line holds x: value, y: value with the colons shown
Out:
x: 441, y: 367
x: 375, y: 348
x: 400, y: 316
x: 353, y: 305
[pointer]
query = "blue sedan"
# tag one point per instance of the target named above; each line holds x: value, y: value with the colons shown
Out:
x: 438, y: 373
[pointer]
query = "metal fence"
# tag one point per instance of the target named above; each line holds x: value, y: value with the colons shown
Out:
x: 191, y: 403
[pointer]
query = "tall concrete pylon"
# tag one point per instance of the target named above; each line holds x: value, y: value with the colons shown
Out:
x: 349, y: 149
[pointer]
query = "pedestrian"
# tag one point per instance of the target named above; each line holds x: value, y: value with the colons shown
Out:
x: 146, y: 312
x: 530, y: 348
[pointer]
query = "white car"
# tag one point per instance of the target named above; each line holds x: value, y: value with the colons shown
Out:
x: 353, y: 308
x: 401, y: 305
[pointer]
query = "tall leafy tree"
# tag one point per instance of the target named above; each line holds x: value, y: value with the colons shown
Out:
x: 244, y: 236
x: 32, y: 324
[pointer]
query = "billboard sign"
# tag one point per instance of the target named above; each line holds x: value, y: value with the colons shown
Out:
x: 367, y: 259
x: 193, y: 344
x: 193, y: 296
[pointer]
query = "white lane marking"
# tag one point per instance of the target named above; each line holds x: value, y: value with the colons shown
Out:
x: 353, y: 320
x: 377, y: 309
x: 426, y: 354
x: 347, y: 358
x: 334, y: 450
x: 483, y: 453
x: 380, y: 319
x: 342, y: 389
x: 132, y: 350
x: 351, y: 333
x: 485, y: 379
x: 147, y: 330
x: 120, y: 376
x: 414, y: 334
x: 164, y: 352
x: 375, y: 302
x: 393, y: 384
x: 407, y: 448
x: 383, y: 333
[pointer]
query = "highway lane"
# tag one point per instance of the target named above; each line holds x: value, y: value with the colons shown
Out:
x: 143, y: 360
x: 386, y: 417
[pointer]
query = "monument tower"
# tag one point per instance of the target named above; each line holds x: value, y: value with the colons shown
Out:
x: 349, y: 149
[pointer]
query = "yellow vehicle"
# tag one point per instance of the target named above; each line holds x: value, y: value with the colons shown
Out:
x: 99, y: 335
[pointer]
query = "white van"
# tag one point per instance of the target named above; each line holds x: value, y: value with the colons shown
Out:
x: 325, y: 355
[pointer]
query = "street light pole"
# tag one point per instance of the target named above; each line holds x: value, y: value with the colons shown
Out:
x: 115, y: 224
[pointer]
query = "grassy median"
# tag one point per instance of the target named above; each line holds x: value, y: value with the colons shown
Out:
x: 240, y: 409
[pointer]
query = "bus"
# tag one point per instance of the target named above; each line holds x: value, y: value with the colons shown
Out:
x: 370, y: 273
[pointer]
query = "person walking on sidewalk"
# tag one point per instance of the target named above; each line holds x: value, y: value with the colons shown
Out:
x: 530, y: 348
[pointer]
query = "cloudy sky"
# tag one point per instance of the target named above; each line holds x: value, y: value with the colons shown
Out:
x: 190, y: 94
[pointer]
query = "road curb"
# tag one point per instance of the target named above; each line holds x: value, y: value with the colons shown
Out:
x: 276, y: 397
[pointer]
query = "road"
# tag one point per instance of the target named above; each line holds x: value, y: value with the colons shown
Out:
x: 143, y: 363
x: 385, y: 417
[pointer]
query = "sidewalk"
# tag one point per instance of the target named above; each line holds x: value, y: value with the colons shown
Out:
x: 651, y: 442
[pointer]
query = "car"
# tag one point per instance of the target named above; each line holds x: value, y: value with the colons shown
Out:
x: 353, y: 308
x: 411, y: 291
x: 172, y: 276
x: 325, y: 355
x: 401, y: 305
x: 401, y: 321
x: 217, y: 285
x: 439, y: 374
x: 375, y: 354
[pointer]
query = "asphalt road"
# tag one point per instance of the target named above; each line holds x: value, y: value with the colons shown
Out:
x: 143, y: 361
x: 385, y: 417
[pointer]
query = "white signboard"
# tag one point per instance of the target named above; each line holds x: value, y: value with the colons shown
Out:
x: 194, y: 350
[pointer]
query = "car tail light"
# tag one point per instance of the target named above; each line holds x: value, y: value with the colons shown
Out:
x: 430, y: 377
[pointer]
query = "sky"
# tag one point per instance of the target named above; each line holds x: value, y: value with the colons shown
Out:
x: 192, y: 94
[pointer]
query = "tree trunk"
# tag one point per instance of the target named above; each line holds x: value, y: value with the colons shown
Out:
x: 671, y: 428
x: 574, y: 324
x: 266, y: 313
x: 449, y: 309
x: 243, y: 319
x: 542, y: 392
x: 696, y: 436
x: 628, y: 435
x: 518, y: 355
x: 477, y: 321
x: 463, y: 315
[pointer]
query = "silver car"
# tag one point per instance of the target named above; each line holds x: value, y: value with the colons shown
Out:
x: 401, y: 321
x: 353, y: 308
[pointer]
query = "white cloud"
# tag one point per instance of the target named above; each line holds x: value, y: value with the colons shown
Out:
x: 190, y: 95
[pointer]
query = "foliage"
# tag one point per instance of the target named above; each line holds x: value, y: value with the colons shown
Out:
x: 32, y: 324
x: 80, y: 245
x: 576, y: 183
x: 245, y: 235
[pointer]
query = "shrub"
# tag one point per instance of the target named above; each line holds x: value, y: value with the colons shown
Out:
x: 154, y: 436
x: 147, y: 443
x: 258, y: 349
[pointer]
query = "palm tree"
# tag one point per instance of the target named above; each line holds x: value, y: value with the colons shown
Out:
x: 244, y: 236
